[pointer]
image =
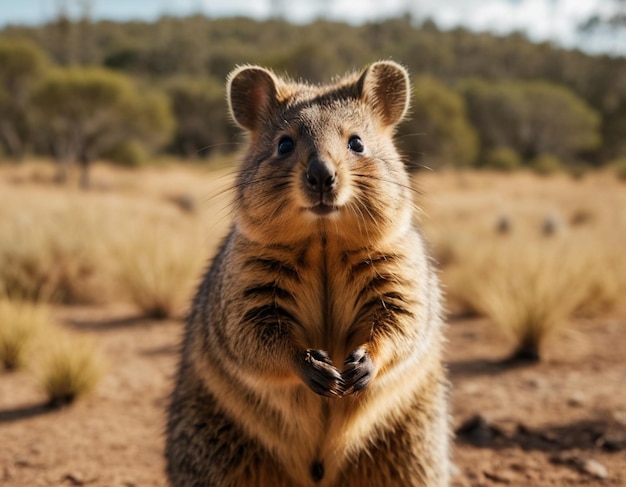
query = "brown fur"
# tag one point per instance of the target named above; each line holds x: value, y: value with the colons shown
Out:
x: 312, y: 354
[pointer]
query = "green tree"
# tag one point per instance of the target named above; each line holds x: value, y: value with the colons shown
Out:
x: 310, y: 60
x: 202, y: 124
x: 200, y: 46
x: 501, y: 159
x: 81, y: 113
x: 21, y: 64
x: 438, y: 132
x: 532, y: 118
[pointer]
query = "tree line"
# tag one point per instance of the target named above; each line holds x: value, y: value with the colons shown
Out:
x: 78, y: 90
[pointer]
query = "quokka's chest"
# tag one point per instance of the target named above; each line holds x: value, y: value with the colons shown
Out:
x: 329, y: 295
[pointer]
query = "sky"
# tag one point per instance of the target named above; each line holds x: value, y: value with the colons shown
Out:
x: 554, y: 20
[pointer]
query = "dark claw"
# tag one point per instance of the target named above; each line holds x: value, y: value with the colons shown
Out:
x: 357, y: 372
x: 318, y: 372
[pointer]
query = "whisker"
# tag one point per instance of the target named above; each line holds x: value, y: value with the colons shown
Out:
x: 365, y: 186
x: 245, y: 184
x: 368, y: 210
x: 213, y: 146
x: 389, y: 181
x: 402, y: 136
x: 362, y: 218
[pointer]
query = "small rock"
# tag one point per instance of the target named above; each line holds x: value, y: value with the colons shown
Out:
x: 594, y: 468
x: 612, y: 441
x: 518, y: 467
x: 534, y: 383
x: 576, y: 401
x: 551, y: 225
x: 581, y: 217
x: 499, y: 478
x: 74, y: 478
x: 185, y: 202
x: 503, y: 225
x: 478, y: 430
x: 22, y: 462
x: 587, y: 466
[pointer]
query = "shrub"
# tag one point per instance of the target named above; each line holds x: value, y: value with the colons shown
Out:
x: 157, y: 270
x: 438, y: 131
x: 81, y: 113
x: 578, y: 169
x: 532, y: 117
x: 52, y: 254
x: 129, y: 153
x: 67, y: 368
x: 502, y: 159
x: 20, y: 322
x: 528, y: 291
x: 545, y: 164
x: 605, y: 278
x: 70, y: 369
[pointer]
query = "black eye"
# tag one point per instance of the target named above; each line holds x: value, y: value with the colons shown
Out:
x: 285, y: 145
x: 355, y: 144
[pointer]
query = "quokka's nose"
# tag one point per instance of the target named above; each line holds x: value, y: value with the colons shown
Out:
x: 320, y: 176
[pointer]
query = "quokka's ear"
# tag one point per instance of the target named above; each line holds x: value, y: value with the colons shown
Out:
x: 252, y: 94
x: 385, y: 87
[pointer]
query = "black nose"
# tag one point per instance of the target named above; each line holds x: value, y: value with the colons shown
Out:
x: 320, y: 177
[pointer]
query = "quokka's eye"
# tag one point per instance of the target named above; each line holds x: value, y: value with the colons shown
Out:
x: 355, y: 144
x: 285, y: 145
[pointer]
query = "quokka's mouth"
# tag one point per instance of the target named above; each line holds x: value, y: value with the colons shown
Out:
x: 322, y: 209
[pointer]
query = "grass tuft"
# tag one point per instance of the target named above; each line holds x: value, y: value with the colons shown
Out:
x: 158, y: 274
x: 528, y: 292
x: 20, y: 322
x: 51, y: 252
x: 70, y: 369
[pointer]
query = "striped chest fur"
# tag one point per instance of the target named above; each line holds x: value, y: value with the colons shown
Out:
x: 324, y: 298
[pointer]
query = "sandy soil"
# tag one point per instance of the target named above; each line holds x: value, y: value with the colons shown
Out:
x: 562, y: 422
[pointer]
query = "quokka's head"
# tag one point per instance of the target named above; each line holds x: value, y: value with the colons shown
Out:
x: 321, y: 159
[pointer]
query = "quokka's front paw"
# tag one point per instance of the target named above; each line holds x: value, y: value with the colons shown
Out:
x: 357, y: 372
x: 318, y: 372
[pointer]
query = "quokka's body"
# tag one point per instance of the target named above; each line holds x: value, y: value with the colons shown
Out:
x: 312, y: 353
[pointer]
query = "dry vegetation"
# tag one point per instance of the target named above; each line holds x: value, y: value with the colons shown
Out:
x: 69, y: 369
x: 530, y: 253
x: 20, y: 322
x: 65, y: 367
x: 130, y: 240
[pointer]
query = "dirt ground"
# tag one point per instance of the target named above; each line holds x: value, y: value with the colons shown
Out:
x: 562, y: 422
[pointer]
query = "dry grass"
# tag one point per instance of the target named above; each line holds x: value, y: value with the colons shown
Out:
x: 65, y: 366
x: 48, y: 261
x: 53, y: 246
x: 70, y: 369
x: 158, y: 274
x: 529, y: 281
x: 530, y: 293
x: 126, y: 242
x: 529, y: 252
x: 20, y: 323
